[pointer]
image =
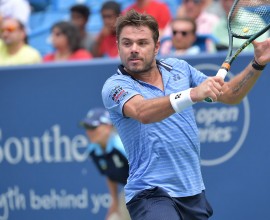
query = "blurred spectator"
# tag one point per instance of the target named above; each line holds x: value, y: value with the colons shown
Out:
x: 107, y: 152
x: 214, y: 7
x: 105, y: 45
x: 182, y: 40
x: 159, y: 10
x: 221, y: 31
x: 1, y: 18
x: 66, y: 40
x: 205, y: 22
x: 79, y: 16
x: 195, y: 9
x: 19, y: 9
x: 13, y: 44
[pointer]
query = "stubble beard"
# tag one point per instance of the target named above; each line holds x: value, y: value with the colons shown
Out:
x: 139, y: 70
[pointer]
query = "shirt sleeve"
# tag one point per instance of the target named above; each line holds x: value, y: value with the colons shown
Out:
x: 116, y: 91
x: 197, y: 77
x: 194, y: 76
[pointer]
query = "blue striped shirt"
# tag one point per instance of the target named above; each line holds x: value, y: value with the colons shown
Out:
x: 165, y: 153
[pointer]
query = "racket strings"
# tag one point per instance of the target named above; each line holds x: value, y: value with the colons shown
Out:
x: 248, y: 17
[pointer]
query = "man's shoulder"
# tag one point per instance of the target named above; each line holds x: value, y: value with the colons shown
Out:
x: 29, y: 50
x: 173, y: 62
x: 1, y: 43
x: 175, y: 66
x: 2, y: 47
x: 118, y: 77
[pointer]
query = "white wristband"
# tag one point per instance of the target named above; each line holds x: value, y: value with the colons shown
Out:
x: 181, y: 100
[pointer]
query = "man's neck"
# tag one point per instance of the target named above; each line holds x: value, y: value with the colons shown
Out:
x: 14, y: 48
x: 153, y: 77
x: 62, y: 54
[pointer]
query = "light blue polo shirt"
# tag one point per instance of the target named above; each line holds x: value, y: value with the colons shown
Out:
x: 165, y: 153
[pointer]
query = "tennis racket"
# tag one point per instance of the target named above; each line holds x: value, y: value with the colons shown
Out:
x: 244, y: 27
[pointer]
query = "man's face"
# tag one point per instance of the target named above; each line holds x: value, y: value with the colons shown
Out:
x: 109, y: 18
x: 59, y: 39
x: 11, y: 33
x: 99, y: 134
x: 137, y: 49
x: 78, y: 20
x: 183, y: 34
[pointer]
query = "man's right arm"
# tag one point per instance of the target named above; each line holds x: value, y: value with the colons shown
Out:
x: 148, y: 110
x: 154, y: 110
x: 120, y: 95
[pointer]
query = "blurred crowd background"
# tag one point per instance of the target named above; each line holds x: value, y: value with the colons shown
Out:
x: 36, y: 31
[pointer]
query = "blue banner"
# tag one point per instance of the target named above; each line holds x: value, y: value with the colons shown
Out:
x: 45, y: 172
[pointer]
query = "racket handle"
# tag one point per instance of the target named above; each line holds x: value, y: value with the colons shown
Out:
x: 222, y: 72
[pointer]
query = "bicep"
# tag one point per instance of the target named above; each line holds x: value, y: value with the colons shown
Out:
x: 130, y: 108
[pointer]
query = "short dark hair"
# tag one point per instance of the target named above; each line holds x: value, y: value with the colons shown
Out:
x: 82, y: 10
x: 72, y: 33
x: 22, y: 27
x: 133, y: 18
x: 194, y: 29
x: 112, y: 5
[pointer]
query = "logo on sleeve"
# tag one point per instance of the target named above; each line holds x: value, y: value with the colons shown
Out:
x: 117, y: 94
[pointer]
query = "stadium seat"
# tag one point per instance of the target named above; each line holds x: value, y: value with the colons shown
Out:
x: 39, y: 5
x: 40, y: 26
x: 64, y: 5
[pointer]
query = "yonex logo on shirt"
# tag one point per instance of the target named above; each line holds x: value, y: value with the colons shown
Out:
x: 178, y: 96
x: 176, y: 77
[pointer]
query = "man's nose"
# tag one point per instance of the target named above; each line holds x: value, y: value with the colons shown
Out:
x: 134, y: 47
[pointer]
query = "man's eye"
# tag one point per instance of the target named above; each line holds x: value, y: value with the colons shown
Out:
x: 126, y: 44
x: 143, y: 43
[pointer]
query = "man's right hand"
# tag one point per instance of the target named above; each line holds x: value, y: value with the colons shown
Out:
x: 211, y: 87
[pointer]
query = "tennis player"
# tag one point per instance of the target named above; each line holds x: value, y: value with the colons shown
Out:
x: 150, y: 103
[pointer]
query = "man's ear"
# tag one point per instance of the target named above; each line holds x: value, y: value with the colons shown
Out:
x: 157, y: 47
x: 117, y: 44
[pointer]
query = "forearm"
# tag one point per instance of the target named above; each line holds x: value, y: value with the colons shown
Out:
x: 113, y: 188
x: 148, y: 110
x: 238, y: 87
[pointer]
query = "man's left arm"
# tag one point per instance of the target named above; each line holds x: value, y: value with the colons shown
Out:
x: 238, y: 87
x: 113, y: 188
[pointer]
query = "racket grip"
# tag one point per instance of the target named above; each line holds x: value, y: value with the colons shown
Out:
x: 222, y: 72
